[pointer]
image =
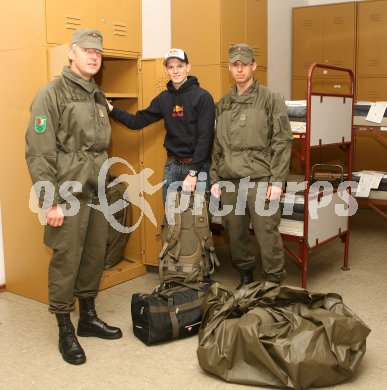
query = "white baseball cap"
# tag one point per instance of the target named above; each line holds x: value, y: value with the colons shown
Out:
x: 176, y: 53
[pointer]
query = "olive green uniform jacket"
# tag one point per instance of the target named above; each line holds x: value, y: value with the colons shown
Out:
x: 253, y: 136
x: 67, y: 140
x: 73, y: 136
x: 253, y: 139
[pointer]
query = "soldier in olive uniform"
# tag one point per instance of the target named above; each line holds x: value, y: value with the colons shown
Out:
x: 253, y: 141
x: 67, y: 140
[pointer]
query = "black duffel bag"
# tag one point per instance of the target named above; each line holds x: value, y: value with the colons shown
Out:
x: 171, y: 311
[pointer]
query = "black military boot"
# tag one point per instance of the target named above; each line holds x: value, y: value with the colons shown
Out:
x: 90, y: 325
x: 69, y: 346
x: 247, y: 277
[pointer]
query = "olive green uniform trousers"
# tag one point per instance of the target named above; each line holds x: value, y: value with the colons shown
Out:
x: 77, y: 262
x: 250, y: 202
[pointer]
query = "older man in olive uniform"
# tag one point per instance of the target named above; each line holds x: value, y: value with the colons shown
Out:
x: 253, y: 142
x: 67, y: 140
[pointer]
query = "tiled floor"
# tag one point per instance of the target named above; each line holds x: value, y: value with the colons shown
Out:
x: 28, y: 333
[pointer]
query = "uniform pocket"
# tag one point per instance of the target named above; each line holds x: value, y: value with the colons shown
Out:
x: 272, y: 221
x: 73, y: 163
x: 56, y: 237
x: 284, y: 122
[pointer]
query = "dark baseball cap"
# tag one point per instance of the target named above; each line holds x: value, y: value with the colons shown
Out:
x: 88, y: 39
x: 176, y: 53
x: 241, y: 52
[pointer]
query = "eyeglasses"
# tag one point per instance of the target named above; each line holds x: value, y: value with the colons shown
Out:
x: 91, y: 52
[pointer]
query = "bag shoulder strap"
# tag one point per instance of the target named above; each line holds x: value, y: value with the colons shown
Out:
x: 202, y: 229
x: 171, y: 241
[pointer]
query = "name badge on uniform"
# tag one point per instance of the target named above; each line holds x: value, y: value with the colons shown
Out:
x: 242, y: 120
x: 101, y: 113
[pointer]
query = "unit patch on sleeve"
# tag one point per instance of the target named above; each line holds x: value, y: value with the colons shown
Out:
x: 40, y: 123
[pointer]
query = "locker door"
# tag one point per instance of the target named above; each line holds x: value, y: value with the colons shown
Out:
x: 57, y: 58
x: 256, y: 29
x: 209, y: 79
x: 196, y: 29
x: 25, y: 256
x: 337, y: 86
x: 227, y: 80
x: 372, y: 32
x: 299, y: 86
x: 372, y: 89
x: 63, y: 17
x: 232, y: 26
x: 120, y: 23
x: 339, y: 36
x: 261, y: 75
x: 155, y: 155
x: 307, y: 39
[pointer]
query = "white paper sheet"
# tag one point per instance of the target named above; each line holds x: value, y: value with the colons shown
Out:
x: 368, y: 180
x: 376, y: 112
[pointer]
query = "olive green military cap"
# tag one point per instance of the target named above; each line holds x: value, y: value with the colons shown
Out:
x: 87, y: 38
x: 241, y: 52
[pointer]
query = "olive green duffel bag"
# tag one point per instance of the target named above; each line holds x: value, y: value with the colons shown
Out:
x: 117, y: 239
x: 284, y: 337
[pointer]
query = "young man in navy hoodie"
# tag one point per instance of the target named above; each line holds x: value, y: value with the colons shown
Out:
x: 189, y: 116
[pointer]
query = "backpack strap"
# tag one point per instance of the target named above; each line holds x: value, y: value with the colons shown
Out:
x: 171, y: 244
x: 209, y: 258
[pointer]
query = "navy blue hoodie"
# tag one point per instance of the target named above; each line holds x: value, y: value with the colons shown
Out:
x: 189, y: 117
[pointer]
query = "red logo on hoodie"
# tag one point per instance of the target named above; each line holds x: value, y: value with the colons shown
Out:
x: 178, y: 111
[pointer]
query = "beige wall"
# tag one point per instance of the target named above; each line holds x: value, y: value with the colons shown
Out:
x: 156, y: 28
x: 280, y: 44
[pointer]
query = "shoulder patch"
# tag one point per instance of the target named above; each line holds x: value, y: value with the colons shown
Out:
x: 40, y: 123
x: 284, y: 120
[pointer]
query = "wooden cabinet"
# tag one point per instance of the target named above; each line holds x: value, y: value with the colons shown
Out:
x: 26, y: 257
x: 307, y: 39
x: 154, y: 156
x: 232, y: 26
x: 372, y: 33
x: 256, y: 31
x: 370, y: 144
x: 339, y: 35
x: 22, y: 24
x: 207, y: 29
x: 324, y: 34
x: 118, y: 20
x: 321, y: 85
x: 347, y: 35
x: 207, y: 45
x: 371, y: 55
x: 372, y: 89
